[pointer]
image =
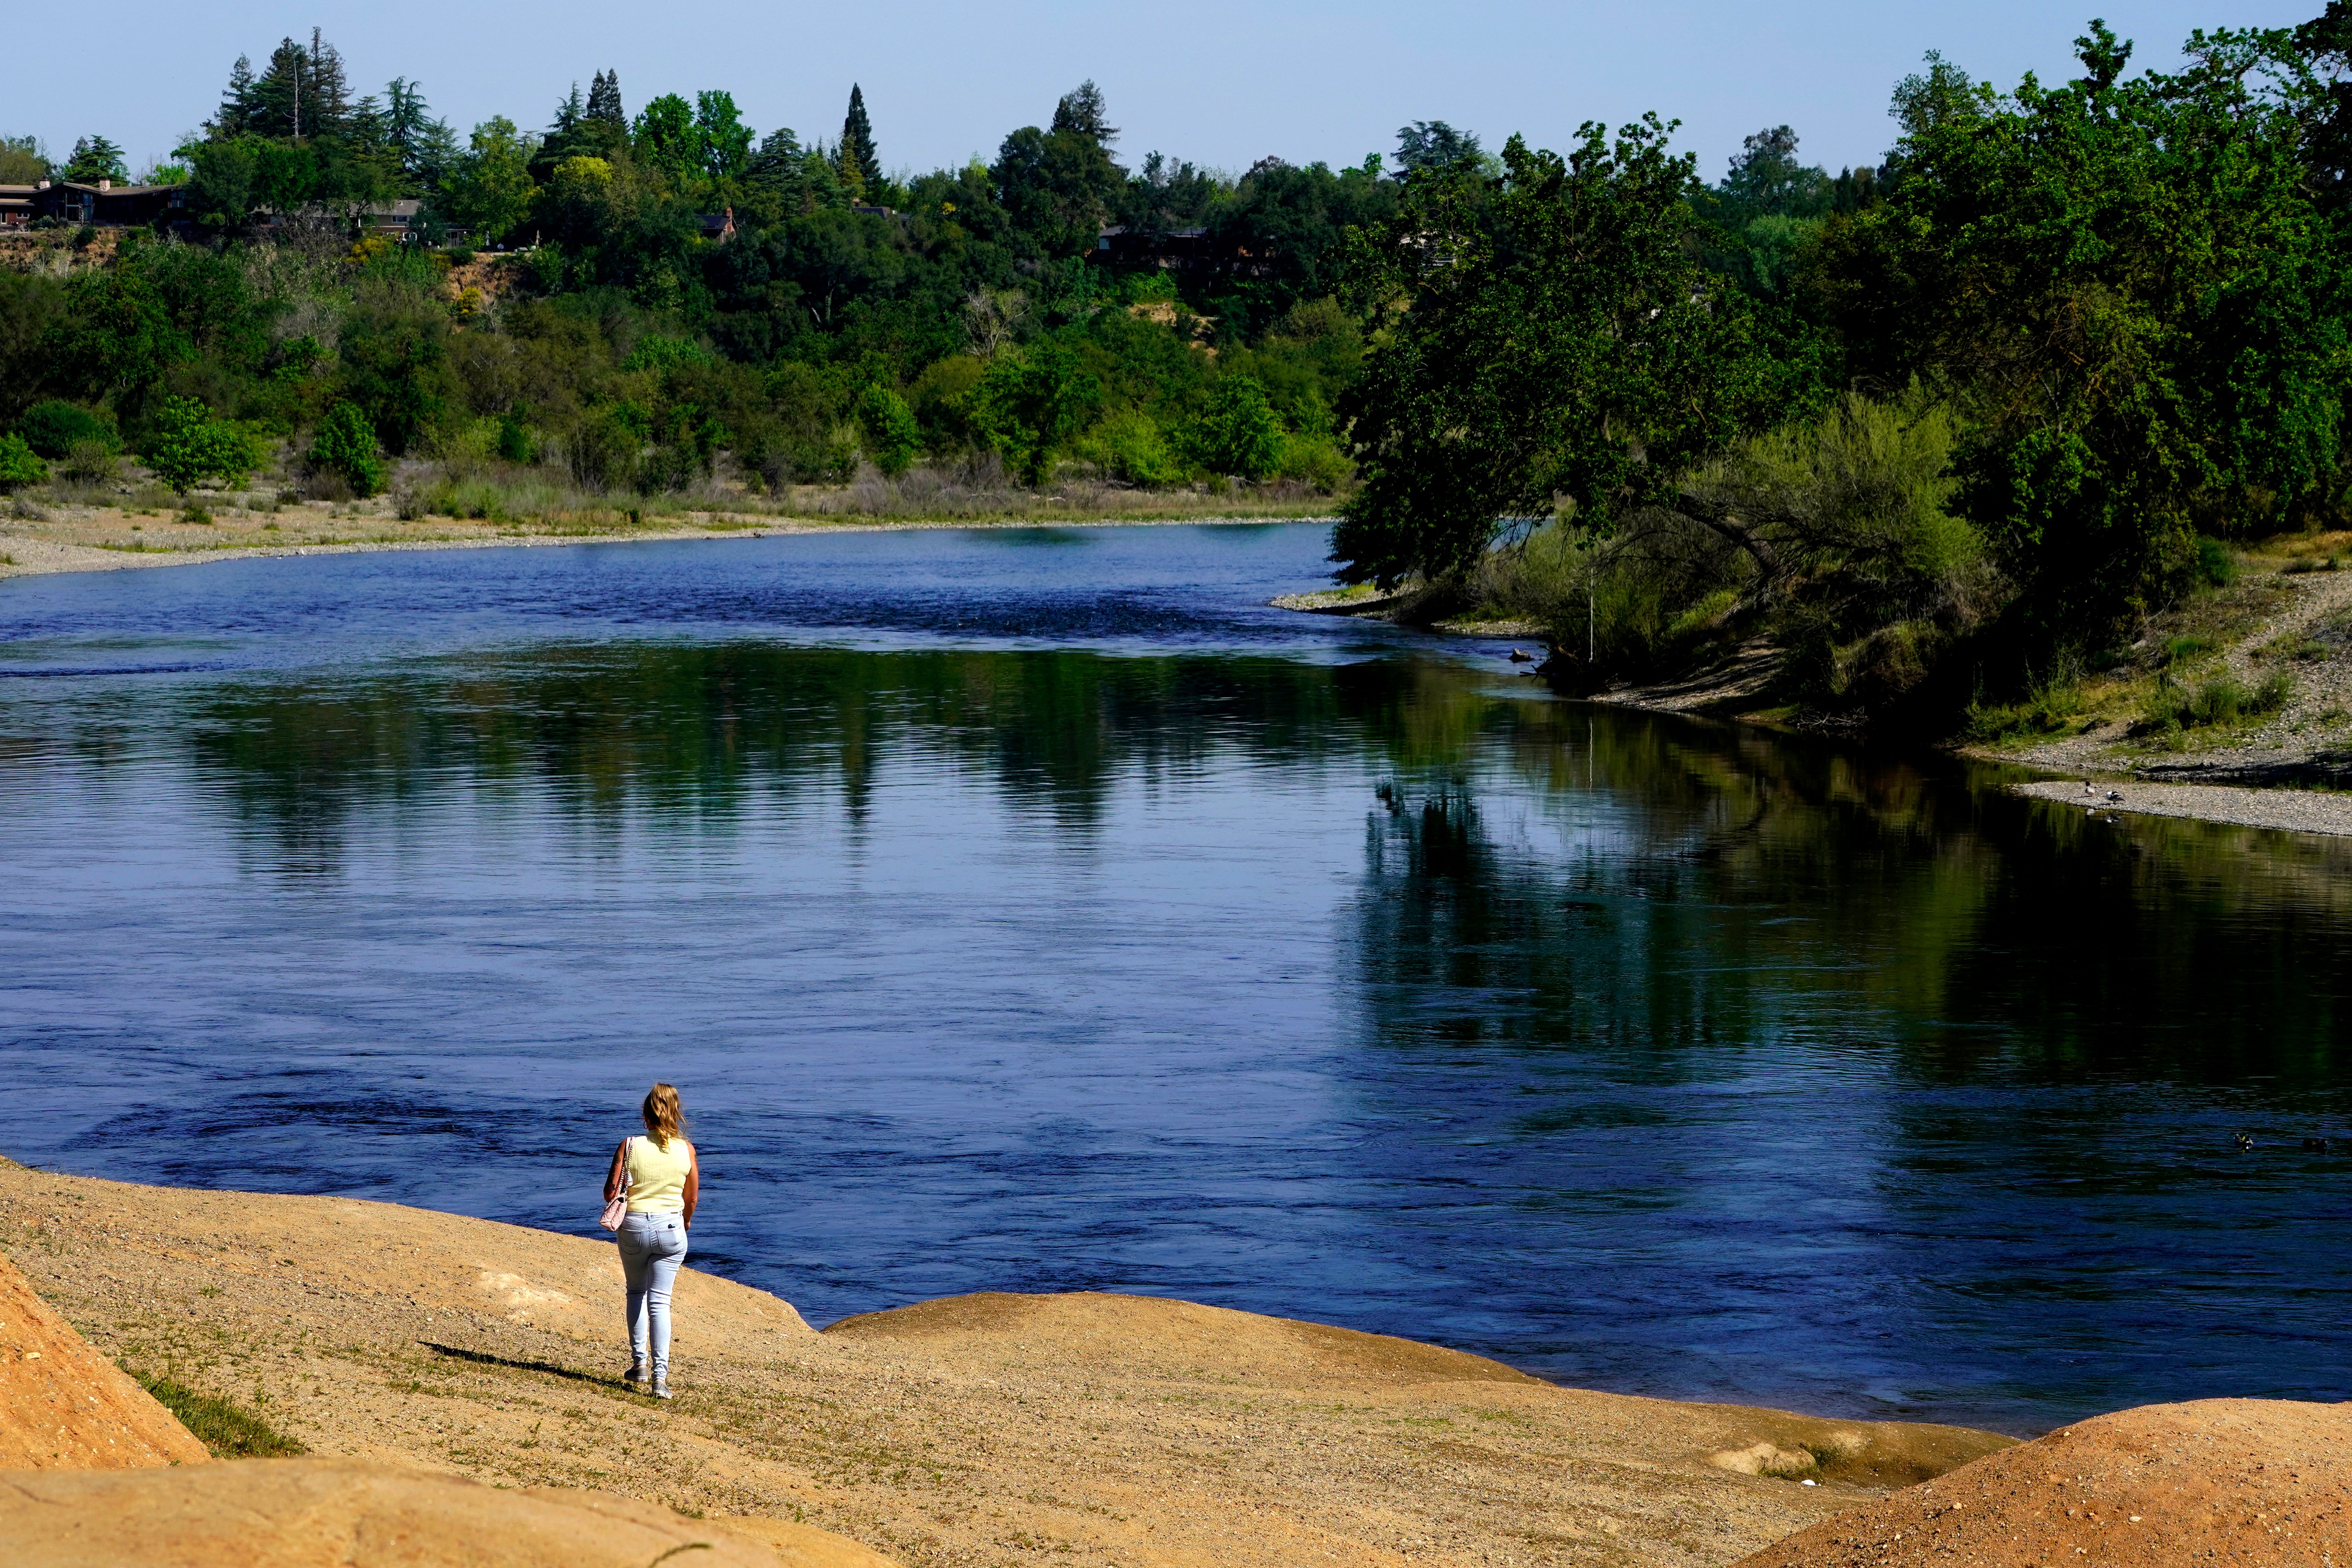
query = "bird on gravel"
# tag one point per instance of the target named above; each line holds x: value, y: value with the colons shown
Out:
x: 2115, y: 796
x: 2087, y: 787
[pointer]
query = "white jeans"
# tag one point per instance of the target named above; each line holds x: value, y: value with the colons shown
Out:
x: 652, y: 1246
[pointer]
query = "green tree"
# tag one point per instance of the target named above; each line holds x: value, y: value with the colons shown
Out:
x: 345, y: 444
x: 892, y: 436
x: 722, y: 141
x: 858, y: 142
x: 664, y: 136
x: 93, y: 159
x: 2129, y: 288
x: 1547, y: 340
x: 489, y: 191
x: 395, y: 354
x: 186, y: 445
x: 22, y: 161
x: 1236, y: 431
x: 1059, y: 186
x: 1032, y: 402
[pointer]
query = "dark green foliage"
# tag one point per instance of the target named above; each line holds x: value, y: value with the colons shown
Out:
x: 2216, y: 566
x: 1551, y: 341
x: 515, y: 445
x: 1235, y: 432
x: 345, y: 444
x: 54, y: 427
x: 395, y: 360
x: 226, y: 1428
x: 1031, y: 404
x: 857, y: 148
x: 2127, y: 284
x: 892, y: 436
x: 1057, y: 188
x: 93, y: 159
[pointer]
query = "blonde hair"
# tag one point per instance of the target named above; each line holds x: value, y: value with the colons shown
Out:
x: 665, y: 1117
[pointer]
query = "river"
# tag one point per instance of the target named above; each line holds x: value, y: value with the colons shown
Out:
x: 1037, y: 910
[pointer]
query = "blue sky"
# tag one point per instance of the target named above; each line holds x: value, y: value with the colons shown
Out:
x: 1219, y: 81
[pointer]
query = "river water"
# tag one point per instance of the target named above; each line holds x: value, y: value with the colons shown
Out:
x: 1037, y: 910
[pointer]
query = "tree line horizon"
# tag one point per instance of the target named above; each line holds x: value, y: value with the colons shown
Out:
x: 1984, y: 405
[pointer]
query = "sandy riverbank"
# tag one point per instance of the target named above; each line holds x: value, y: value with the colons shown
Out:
x: 112, y: 538
x: 1081, y: 1429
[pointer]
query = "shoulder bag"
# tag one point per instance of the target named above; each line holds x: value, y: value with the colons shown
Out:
x: 617, y: 1209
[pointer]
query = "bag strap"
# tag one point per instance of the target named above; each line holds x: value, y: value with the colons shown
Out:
x: 628, y: 1175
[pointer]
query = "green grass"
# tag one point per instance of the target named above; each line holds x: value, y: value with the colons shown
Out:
x: 2054, y: 707
x: 228, y: 1428
x: 2174, y: 708
x: 2180, y: 650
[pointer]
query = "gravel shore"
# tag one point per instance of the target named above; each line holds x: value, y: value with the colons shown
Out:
x: 2292, y: 810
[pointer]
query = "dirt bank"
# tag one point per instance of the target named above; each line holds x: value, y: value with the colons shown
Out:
x: 65, y: 1406
x: 2229, y: 1480
x: 998, y: 1430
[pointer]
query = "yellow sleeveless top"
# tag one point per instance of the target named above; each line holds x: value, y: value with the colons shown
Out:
x: 658, y: 1176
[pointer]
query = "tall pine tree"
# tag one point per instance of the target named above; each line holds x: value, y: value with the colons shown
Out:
x: 605, y: 100
x: 329, y: 111
x: 857, y: 145
x: 235, y: 116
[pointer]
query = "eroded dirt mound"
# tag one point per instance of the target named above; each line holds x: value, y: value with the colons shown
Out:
x: 1179, y: 1336
x: 65, y: 1406
x: 1864, y: 1453
x: 308, y: 1513
x: 2233, y: 1480
x: 440, y: 1263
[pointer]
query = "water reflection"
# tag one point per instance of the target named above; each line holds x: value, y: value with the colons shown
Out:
x: 1658, y: 1055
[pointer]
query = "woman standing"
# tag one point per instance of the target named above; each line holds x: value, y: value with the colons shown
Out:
x: 663, y: 1181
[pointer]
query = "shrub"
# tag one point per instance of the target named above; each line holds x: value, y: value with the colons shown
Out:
x: 942, y: 399
x: 2217, y: 564
x: 605, y: 449
x: 1236, y: 431
x: 187, y: 445
x: 2223, y: 700
x: 345, y: 444
x: 2049, y: 708
x: 54, y: 427
x: 892, y: 436
x: 19, y: 465
x: 514, y: 443
x: 1314, y: 460
x: 1130, y: 446
x: 91, y: 462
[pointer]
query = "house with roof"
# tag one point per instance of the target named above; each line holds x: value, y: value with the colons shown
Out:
x: 106, y: 204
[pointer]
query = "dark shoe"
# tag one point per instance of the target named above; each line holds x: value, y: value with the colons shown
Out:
x: 661, y: 1389
x: 635, y: 1375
